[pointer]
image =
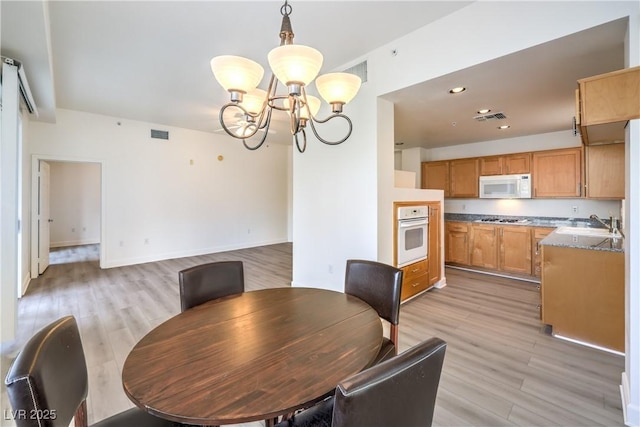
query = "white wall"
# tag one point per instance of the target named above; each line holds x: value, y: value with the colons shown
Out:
x: 75, y: 203
x: 167, y: 199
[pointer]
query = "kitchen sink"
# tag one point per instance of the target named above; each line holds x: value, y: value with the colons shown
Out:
x: 585, y: 231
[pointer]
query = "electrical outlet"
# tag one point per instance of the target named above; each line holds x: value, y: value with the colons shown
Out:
x: 574, y: 209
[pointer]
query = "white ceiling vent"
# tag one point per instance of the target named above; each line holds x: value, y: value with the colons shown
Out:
x: 359, y: 70
x: 493, y: 116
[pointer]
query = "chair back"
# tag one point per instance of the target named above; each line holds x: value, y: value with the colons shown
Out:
x: 47, y: 383
x: 206, y: 282
x: 398, y: 392
x: 377, y: 284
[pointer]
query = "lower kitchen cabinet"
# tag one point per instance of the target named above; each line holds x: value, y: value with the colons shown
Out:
x: 539, y: 233
x: 484, y: 248
x: 583, y: 295
x: 515, y: 249
x: 415, y: 279
x: 456, y: 242
x: 502, y: 248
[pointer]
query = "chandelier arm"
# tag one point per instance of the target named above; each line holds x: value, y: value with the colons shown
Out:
x: 333, y: 116
x: 266, y: 125
x: 224, y: 125
x: 304, y: 145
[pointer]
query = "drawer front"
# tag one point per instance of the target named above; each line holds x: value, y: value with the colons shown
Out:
x: 413, y: 286
x: 458, y: 226
x: 411, y: 271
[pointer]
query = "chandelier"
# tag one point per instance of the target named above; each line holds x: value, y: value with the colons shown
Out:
x: 295, y: 66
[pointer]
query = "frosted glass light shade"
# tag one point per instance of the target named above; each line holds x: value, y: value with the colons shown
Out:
x: 294, y: 63
x: 254, y: 100
x: 338, y: 87
x: 314, y: 106
x: 235, y: 73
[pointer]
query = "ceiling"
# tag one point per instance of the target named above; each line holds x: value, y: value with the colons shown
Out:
x: 149, y: 61
x: 534, y: 88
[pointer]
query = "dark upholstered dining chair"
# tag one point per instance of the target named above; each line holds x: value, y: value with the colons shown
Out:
x: 379, y: 285
x: 47, y: 384
x: 400, y: 391
x: 206, y: 282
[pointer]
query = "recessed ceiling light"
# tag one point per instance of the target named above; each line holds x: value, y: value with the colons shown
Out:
x: 457, y: 89
x: 484, y: 111
x: 504, y: 127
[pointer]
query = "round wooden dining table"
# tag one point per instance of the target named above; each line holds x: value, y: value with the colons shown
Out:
x: 251, y: 356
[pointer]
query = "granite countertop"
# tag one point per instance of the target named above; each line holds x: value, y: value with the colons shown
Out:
x: 598, y: 243
x: 530, y: 221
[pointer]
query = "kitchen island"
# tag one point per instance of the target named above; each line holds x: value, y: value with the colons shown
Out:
x: 582, y: 288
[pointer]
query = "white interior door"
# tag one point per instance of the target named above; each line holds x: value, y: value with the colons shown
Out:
x: 44, y: 220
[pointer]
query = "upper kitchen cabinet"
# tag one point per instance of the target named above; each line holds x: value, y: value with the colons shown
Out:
x: 557, y: 173
x: 604, y: 171
x: 605, y: 102
x: 463, y: 178
x: 435, y: 176
x: 506, y: 164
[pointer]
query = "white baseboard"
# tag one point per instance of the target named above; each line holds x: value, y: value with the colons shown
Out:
x: 78, y: 242
x: 630, y: 412
x: 182, y: 254
x: 25, y: 284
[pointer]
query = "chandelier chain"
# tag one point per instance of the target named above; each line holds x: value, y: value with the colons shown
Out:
x: 286, y: 9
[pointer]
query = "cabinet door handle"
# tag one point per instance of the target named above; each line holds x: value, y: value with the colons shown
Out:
x: 415, y: 270
x: 415, y: 284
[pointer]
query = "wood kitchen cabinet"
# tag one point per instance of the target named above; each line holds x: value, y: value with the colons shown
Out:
x: 503, y: 248
x: 505, y: 165
x: 463, y: 178
x: 415, y: 279
x: 483, y: 246
x: 604, y: 171
x: 557, y: 173
x: 583, y: 295
x: 515, y: 249
x: 457, y: 242
x: 435, y: 258
x: 605, y: 102
x: 435, y: 176
x: 539, y: 233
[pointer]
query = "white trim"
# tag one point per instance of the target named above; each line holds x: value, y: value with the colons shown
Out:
x: 182, y: 254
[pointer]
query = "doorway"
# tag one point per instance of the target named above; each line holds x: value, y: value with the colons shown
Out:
x: 66, y: 210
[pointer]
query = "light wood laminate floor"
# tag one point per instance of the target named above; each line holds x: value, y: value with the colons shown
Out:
x: 500, y: 368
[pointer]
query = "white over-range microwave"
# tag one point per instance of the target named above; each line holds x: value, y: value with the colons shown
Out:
x: 506, y: 186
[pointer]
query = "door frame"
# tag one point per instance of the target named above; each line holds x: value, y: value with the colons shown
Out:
x: 35, y: 160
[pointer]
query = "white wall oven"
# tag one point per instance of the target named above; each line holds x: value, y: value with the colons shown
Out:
x: 412, y: 234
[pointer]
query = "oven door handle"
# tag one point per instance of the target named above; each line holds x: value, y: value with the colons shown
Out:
x: 405, y: 223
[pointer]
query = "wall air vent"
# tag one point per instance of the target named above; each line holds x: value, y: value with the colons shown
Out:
x: 359, y: 70
x: 493, y: 116
x: 159, y: 134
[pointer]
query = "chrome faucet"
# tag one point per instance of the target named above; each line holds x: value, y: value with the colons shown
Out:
x: 609, y: 226
x: 613, y: 225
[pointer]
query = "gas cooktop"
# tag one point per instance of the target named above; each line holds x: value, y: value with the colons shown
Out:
x: 504, y: 220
